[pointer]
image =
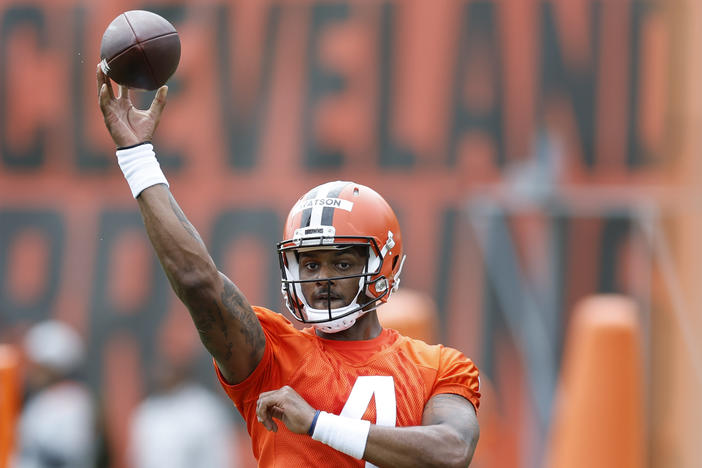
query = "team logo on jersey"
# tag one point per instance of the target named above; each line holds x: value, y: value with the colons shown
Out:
x: 323, y: 203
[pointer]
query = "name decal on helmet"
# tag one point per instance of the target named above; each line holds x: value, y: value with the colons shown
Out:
x: 323, y: 203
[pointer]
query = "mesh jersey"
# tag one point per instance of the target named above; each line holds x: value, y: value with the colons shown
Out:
x: 324, y: 371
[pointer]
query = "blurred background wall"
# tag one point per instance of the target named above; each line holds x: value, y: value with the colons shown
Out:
x: 536, y: 152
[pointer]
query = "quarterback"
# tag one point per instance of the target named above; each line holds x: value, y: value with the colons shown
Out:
x: 343, y: 392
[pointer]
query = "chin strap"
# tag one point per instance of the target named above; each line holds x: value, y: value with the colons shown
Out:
x: 396, y: 284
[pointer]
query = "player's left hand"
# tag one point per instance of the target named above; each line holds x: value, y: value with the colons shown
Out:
x: 286, y: 405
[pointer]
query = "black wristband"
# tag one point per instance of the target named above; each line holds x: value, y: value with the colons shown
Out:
x: 133, y: 146
x: 310, y: 431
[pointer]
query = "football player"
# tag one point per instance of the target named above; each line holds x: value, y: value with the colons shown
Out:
x: 344, y: 391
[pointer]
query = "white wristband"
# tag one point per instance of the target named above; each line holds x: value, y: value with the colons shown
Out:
x: 347, y: 435
x: 140, y: 167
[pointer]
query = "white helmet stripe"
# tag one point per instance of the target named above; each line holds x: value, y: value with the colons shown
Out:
x: 328, y: 190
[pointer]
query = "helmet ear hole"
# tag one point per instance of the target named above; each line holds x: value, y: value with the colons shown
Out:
x: 394, y: 261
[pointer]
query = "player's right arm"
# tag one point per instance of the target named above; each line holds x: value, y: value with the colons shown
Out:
x: 227, y: 325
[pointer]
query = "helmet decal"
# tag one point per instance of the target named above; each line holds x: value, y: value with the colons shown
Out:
x: 320, y: 204
x: 307, y: 213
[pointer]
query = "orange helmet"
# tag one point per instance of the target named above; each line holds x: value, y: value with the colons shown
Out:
x: 339, y: 215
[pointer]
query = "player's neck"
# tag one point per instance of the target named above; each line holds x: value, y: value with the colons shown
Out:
x: 366, y: 327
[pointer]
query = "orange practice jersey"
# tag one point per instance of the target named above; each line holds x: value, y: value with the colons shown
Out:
x: 388, y: 380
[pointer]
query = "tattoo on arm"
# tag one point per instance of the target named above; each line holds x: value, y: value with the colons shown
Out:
x: 215, y: 321
x: 235, y: 303
x: 227, y: 324
x: 235, y: 306
x: 183, y: 219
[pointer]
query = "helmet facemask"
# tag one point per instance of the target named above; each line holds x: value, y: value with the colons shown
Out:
x: 330, y: 320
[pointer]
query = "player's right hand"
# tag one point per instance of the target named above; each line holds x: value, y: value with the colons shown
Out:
x: 128, y: 125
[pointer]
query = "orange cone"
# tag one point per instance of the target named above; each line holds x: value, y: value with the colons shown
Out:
x: 9, y: 401
x: 598, y: 417
x: 411, y: 313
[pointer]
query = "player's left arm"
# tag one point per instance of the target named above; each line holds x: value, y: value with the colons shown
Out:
x: 447, y: 437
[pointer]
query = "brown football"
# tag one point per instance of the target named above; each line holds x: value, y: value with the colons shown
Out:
x: 140, y: 49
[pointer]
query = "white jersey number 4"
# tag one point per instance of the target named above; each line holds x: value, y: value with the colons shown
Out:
x: 383, y: 387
